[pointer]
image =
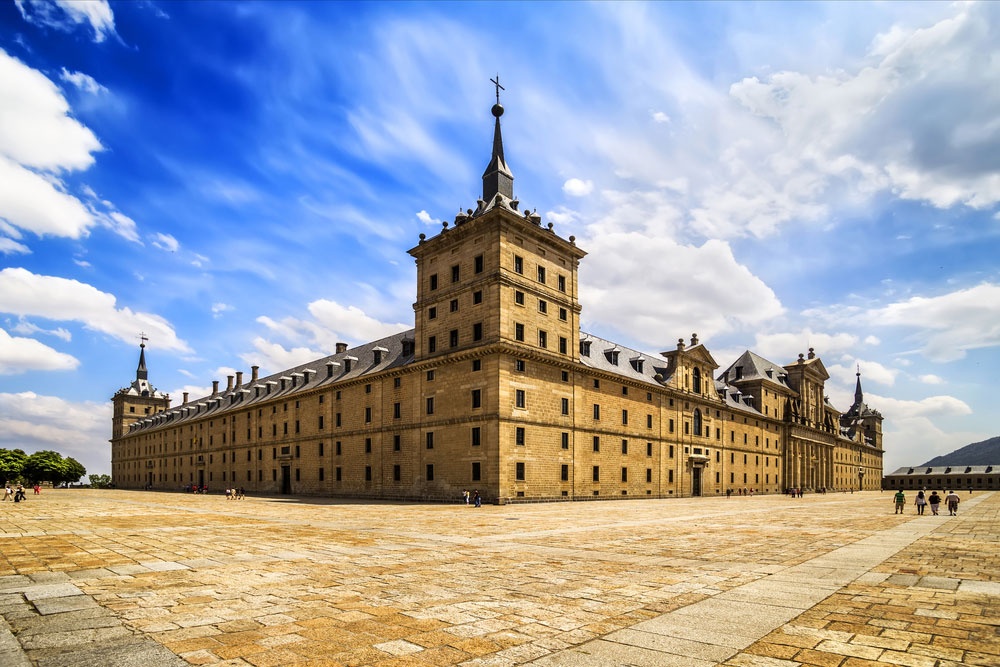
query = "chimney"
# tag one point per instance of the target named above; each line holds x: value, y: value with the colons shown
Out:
x: 215, y: 387
x: 253, y: 373
x: 229, y: 383
x: 185, y: 399
x: 239, y: 379
x: 341, y: 348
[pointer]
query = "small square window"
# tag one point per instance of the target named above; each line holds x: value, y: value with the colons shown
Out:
x: 477, y: 297
x: 543, y: 306
x: 432, y: 313
x: 519, y: 365
x: 519, y: 297
x: 453, y: 305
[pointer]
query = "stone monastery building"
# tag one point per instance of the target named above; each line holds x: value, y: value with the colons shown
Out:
x: 496, y: 389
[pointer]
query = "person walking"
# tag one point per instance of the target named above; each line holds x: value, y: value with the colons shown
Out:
x: 920, y: 502
x: 935, y: 501
x: 952, y: 499
x: 900, y: 500
x: 477, y: 499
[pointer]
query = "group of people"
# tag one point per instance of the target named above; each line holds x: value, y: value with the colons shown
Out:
x: 474, y: 498
x: 234, y: 493
x: 922, y: 501
x: 15, y: 494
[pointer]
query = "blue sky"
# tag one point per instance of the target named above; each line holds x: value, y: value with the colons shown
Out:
x: 241, y: 182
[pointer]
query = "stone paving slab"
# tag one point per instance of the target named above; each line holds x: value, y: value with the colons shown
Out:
x: 163, y: 579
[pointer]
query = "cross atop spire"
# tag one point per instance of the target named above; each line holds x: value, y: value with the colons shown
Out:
x: 497, y: 179
x: 141, y: 373
x: 496, y: 82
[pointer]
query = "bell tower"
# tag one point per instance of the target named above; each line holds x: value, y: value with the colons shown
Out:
x: 138, y: 400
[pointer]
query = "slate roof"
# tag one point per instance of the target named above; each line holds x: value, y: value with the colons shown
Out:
x: 925, y: 471
x: 756, y: 367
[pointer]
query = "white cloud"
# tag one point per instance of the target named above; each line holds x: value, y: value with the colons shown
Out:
x: 165, y: 242
x: 65, y: 15
x: 777, y: 346
x: 19, y: 355
x: 350, y: 322
x: 27, y: 294
x: 949, y: 325
x: 631, y: 279
x: 34, y: 422
x: 84, y: 82
x: 574, y: 187
x: 425, y: 217
x: 871, y: 371
x: 219, y: 308
x: 275, y: 357
x: 27, y: 328
x: 660, y: 117
x: 12, y: 247
x: 930, y: 378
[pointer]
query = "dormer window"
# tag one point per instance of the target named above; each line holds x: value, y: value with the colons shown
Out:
x: 407, y: 347
x: 637, y: 363
x: 612, y: 355
x: 377, y: 353
x: 584, y: 348
x: 739, y: 372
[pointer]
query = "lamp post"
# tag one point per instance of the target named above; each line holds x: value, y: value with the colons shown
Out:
x: 861, y: 476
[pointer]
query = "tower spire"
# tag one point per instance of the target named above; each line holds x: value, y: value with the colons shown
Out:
x: 140, y: 372
x: 497, y: 179
x: 859, y: 396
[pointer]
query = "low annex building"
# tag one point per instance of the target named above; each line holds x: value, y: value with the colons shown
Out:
x: 496, y: 389
x: 956, y: 477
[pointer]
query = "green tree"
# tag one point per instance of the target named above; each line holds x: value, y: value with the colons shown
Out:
x: 11, y: 464
x: 100, y: 481
x: 74, y: 470
x: 45, y: 466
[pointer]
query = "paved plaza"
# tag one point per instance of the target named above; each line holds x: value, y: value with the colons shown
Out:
x: 132, y: 578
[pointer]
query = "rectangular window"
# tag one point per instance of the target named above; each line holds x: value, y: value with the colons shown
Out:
x: 453, y: 338
x: 670, y: 477
x: 597, y: 443
x: 298, y: 475
x: 476, y: 474
x: 396, y: 473
x: 543, y: 339
x: 368, y: 473
x: 434, y: 281
x: 519, y: 365
x: 649, y: 421
x: 519, y: 471
x: 320, y: 450
x: 430, y: 376
x: 624, y: 417
x: 455, y: 273
x: 430, y: 472
x: 432, y: 344
x: 477, y: 331
x: 541, y: 274
x: 649, y: 449
x: 477, y: 365
x: 477, y: 398
x: 671, y: 451
x: 561, y: 283
x: 397, y: 411
x: 337, y: 473
x: 671, y: 426
x: 625, y: 447
x: 624, y: 475
x: 565, y: 440
x: 477, y: 436
x: 543, y: 307
x: 649, y: 475
x: 321, y: 422
x: 519, y: 332
x: 339, y: 448
x: 430, y: 405
x: 563, y: 345
x: 432, y: 313
x: 368, y: 415
x: 518, y: 264
x: 519, y: 436
x: 477, y: 297
x: 430, y: 439
x: 597, y: 412
x: 564, y: 473
x: 478, y: 262
x: 563, y: 314
x: 396, y: 383
x: 321, y: 475
x: 396, y: 444
x: 453, y: 305
x: 597, y: 474
x: 519, y: 297
x: 519, y: 398
x: 565, y: 406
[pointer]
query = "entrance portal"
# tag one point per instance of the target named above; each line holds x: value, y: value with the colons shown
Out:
x: 286, y: 480
x: 696, y: 482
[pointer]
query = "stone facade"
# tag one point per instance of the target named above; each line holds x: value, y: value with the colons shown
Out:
x: 496, y: 389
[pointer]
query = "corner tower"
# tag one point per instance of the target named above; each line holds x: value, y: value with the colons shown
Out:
x: 138, y: 400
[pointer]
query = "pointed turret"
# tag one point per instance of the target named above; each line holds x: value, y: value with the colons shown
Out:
x: 140, y: 372
x: 497, y: 178
x: 859, y: 396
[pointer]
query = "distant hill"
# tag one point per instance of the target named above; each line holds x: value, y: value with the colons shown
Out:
x: 982, y: 453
